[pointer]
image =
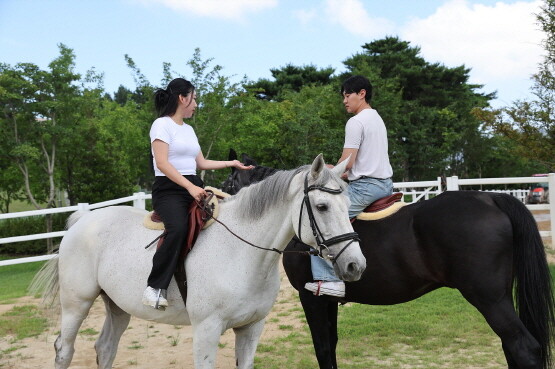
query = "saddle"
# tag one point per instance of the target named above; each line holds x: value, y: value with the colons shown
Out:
x: 383, y: 207
x: 201, y: 216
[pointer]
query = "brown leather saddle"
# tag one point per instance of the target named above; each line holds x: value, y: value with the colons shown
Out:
x: 199, y: 214
x: 384, y: 202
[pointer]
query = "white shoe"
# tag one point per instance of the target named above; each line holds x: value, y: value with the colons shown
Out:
x: 336, y: 289
x: 155, y: 297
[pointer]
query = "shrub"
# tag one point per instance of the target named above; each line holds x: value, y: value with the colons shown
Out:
x: 27, y: 226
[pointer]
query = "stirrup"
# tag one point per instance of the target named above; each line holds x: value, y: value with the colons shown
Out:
x: 156, y: 305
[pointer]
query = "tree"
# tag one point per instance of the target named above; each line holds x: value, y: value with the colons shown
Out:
x: 426, y: 106
x: 122, y: 95
x: 290, y: 78
x: 38, y: 109
x: 530, y: 124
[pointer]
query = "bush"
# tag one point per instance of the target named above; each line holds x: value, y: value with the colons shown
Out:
x: 27, y: 226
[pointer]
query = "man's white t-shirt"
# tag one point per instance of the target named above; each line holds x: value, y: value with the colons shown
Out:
x: 366, y: 132
x: 183, y: 145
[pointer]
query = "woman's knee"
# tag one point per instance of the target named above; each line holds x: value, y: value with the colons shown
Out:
x: 177, y: 230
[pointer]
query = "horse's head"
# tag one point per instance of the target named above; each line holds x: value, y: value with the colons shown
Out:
x: 322, y: 220
x: 238, y: 179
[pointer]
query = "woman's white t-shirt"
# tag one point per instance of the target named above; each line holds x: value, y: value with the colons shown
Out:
x: 183, y: 145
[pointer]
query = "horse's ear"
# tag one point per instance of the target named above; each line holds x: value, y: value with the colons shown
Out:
x: 247, y: 160
x: 340, y: 168
x: 232, y: 155
x: 317, y: 166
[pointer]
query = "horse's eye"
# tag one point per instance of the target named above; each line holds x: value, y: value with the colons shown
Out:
x: 322, y: 207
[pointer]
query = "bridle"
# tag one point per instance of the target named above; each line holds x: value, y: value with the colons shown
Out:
x: 322, y: 243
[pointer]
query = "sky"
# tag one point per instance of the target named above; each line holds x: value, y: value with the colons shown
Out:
x: 499, y: 40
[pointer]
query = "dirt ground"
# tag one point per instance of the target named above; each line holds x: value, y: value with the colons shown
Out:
x: 144, y: 345
x: 148, y: 345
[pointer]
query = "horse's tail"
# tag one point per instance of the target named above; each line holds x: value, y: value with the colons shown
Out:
x: 73, y: 218
x: 46, y: 282
x: 532, y: 278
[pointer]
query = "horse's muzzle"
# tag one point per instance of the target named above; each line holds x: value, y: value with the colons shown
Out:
x: 351, y: 267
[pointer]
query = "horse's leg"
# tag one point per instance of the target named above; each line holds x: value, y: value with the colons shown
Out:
x: 246, y: 340
x: 317, y: 317
x: 74, y: 311
x: 521, y: 350
x: 115, y: 324
x: 206, y: 336
x: 332, y: 325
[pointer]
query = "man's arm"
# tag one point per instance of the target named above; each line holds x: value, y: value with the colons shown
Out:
x: 346, y: 152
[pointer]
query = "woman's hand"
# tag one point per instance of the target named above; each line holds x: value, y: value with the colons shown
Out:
x: 237, y: 164
x: 197, y: 192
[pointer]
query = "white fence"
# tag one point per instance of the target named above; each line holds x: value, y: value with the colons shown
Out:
x: 422, y: 190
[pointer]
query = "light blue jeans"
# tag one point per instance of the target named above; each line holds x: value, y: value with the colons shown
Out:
x: 362, y: 192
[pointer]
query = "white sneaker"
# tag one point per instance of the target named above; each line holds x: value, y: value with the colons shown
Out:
x: 336, y: 289
x: 155, y: 297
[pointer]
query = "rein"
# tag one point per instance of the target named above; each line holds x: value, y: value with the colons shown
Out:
x: 207, y: 210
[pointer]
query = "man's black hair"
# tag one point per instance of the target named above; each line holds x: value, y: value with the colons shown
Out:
x: 355, y: 84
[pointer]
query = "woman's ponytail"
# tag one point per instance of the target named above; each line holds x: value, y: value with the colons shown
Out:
x: 165, y: 101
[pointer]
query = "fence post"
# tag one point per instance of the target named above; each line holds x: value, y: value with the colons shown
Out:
x: 551, y: 184
x: 139, y: 201
x: 83, y: 206
x: 453, y: 183
x: 439, y: 189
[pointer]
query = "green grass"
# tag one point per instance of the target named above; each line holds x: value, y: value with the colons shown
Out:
x: 22, y: 321
x: 15, y: 279
x: 18, y: 205
x: 438, y: 330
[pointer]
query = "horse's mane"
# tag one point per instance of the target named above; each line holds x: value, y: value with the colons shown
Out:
x: 254, y: 200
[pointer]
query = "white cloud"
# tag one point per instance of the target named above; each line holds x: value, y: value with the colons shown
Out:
x: 224, y: 9
x: 305, y: 16
x: 499, y: 42
x: 352, y: 16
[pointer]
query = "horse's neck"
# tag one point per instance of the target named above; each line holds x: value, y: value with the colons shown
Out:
x: 272, y: 230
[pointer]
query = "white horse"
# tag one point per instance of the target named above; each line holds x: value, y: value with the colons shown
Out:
x: 230, y: 284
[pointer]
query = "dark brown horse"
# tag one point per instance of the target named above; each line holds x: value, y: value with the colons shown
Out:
x: 485, y: 245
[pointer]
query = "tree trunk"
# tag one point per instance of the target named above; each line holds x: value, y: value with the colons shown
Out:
x: 49, y: 241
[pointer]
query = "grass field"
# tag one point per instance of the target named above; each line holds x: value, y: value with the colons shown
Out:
x: 15, y: 279
x: 17, y: 206
x: 438, y: 330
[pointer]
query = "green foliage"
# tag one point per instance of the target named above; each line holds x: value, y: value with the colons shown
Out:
x: 530, y: 124
x: 25, y: 226
x: 426, y: 107
x: 290, y: 78
x: 62, y: 132
x: 109, y: 156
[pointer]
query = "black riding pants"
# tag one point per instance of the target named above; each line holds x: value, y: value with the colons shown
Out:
x: 171, y: 202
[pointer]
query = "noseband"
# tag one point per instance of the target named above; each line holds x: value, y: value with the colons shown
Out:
x: 322, y: 243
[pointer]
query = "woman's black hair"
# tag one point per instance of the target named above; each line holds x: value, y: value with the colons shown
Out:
x: 356, y: 83
x: 165, y: 101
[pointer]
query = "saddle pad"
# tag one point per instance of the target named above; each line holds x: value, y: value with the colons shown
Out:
x: 156, y: 223
x: 382, y: 213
